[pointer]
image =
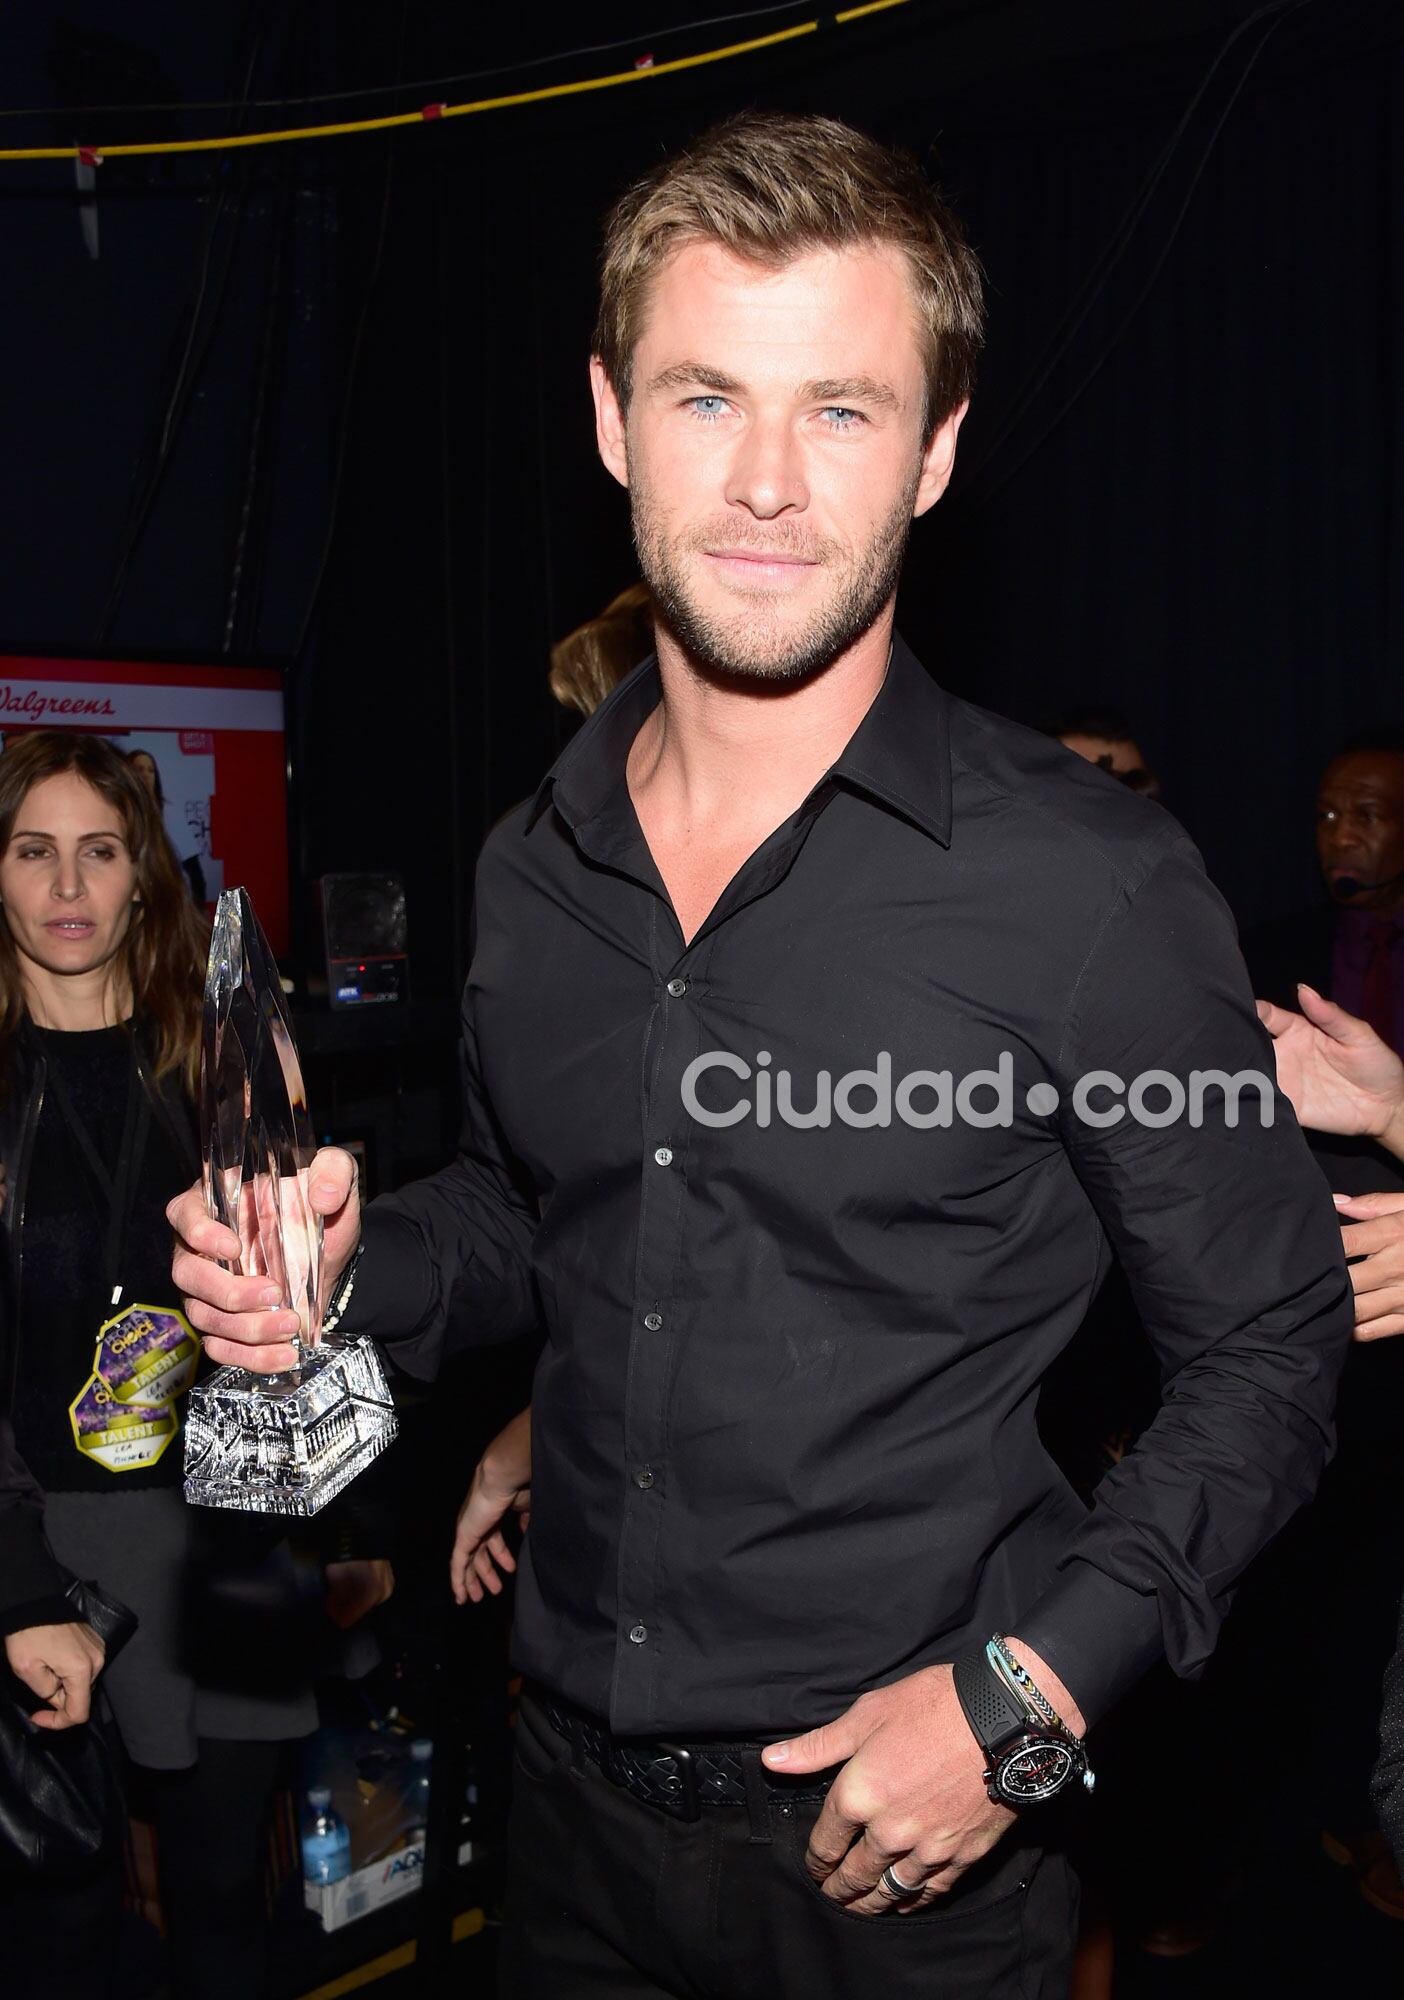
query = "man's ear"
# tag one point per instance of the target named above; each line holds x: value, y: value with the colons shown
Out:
x: 938, y: 460
x: 609, y: 422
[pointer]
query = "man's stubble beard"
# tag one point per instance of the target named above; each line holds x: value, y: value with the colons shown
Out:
x: 757, y: 645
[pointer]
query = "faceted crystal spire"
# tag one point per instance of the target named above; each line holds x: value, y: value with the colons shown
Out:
x: 259, y: 1137
x: 287, y: 1443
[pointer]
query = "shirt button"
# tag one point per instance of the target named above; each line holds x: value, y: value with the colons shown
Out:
x: 653, y: 1321
x: 677, y: 987
x: 644, y: 1477
x: 638, y: 1633
x: 664, y: 1156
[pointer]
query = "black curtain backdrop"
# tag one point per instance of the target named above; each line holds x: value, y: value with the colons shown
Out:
x: 1177, y: 489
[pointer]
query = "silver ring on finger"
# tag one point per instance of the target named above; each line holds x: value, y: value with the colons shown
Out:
x: 891, y: 1884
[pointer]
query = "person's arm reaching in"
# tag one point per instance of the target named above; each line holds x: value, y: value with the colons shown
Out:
x: 1342, y: 1078
x: 501, y: 1484
x: 1373, y: 1237
x: 1338, y: 1073
x: 1345, y: 1079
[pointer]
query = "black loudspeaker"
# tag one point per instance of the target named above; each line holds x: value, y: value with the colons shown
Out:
x: 363, y: 926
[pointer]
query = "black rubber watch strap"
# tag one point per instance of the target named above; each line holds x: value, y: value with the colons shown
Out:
x: 990, y: 1709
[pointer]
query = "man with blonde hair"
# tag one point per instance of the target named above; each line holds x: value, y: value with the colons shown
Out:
x: 812, y: 1627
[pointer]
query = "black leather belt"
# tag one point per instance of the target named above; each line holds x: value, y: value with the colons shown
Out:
x: 677, y: 1778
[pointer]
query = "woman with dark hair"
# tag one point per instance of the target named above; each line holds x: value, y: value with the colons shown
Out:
x: 149, y: 771
x: 101, y: 979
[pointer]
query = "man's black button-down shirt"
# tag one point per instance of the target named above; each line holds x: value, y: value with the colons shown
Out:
x: 784, y: 1437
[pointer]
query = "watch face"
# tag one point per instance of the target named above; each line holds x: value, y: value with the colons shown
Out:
x: 1038, y: 1769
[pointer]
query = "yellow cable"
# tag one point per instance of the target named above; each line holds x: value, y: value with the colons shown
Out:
x: 234, y: 141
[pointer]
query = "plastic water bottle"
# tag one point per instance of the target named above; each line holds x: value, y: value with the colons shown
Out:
x: 326, y: 1840
x: 421, y: 1752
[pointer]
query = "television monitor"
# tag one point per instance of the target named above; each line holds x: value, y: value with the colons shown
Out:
x: 216, y: 740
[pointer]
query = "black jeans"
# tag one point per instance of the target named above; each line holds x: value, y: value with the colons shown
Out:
x: 609, y: 1899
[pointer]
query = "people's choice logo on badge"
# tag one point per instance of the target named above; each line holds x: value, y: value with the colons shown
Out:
x: 124, y: 1416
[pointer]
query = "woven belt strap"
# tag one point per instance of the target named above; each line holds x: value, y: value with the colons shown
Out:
x: 677, y: 1778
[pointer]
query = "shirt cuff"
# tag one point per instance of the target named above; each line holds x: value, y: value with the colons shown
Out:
x: 393, y: 1292
x: 1098, y: 1636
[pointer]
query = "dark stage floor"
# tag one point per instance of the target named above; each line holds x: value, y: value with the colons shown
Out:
x: 1301, y: 1929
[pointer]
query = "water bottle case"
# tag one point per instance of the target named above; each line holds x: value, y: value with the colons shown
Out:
x: 326, y: 1842
x: 397, y: 1811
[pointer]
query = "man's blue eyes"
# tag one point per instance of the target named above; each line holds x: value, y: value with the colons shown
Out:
x: 710, y: 408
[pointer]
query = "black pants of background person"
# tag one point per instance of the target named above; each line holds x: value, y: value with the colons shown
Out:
x: 63, y: 1941
x: 611, y: 1899
x: 1356, y: 1555
x: 212, y: 1838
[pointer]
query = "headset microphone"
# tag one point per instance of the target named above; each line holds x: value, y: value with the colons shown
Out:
x: 1346, y: 886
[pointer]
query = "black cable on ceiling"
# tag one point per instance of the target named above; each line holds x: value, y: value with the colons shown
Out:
x: 199, y: 337
x: 429, y: 83
x: 353, y: 368
x: 971, y: 494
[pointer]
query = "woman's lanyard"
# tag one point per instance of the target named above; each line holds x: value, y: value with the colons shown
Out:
x: 119, y: 1188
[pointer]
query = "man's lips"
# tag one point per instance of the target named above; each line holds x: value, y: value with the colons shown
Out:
x: 743, y: 552
x: 772, y: 565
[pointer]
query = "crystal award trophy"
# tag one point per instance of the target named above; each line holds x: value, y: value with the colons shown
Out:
x: 271, y: 1444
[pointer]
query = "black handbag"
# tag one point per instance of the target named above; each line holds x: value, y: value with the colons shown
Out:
x: 60, y: 1798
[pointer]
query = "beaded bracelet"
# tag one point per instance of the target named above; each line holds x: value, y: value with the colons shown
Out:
x: 341, y: 1297
x: 1010, y: 1671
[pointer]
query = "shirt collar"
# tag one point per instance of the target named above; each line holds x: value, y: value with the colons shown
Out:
x: 899, y: 754
x: 593, y: 763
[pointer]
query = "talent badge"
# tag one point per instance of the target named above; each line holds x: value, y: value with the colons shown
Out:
x: 124, y: 1416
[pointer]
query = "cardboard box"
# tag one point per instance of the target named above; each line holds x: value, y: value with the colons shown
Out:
x: 366, y: 1889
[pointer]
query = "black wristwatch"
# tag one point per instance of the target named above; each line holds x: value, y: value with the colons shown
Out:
x: 1029, y: 1763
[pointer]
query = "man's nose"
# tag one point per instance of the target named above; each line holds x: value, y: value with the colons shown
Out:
x: 767, y: 473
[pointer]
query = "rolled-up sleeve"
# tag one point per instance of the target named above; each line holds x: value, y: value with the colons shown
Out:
x: 1228, y: 1238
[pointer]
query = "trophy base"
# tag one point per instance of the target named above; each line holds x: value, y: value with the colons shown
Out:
x: 287, y: 1444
